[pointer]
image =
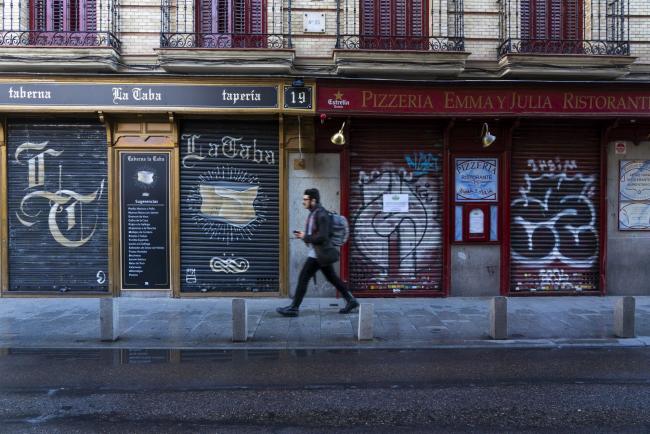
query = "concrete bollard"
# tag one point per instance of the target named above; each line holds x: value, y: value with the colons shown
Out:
x: 624, y: 317
x: 109, y: 319
x: 366, y: 321
x: 499, y: 318
x: 239, y: 320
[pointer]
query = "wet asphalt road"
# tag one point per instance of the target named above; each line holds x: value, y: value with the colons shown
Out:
x: 379, y: 391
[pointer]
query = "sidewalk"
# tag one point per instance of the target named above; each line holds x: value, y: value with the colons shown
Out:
x: 399, y: 323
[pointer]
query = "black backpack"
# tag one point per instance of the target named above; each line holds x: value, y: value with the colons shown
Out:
x: 339, y: 229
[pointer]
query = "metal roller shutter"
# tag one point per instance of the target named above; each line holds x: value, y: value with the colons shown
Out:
x: 230, y: 206
x: 397, y: 252
x: 57, y: 206
x: 554, y: 213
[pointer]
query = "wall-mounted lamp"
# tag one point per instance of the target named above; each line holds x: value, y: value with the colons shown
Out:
x: 486, y: 137
x: 298, y: 82
x: 339, y: 138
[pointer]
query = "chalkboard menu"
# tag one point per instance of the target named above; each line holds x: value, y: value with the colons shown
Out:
x: 144, y: 196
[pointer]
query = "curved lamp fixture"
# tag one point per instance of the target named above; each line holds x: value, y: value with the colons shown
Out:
x: 486, y: 137
x: 339, y: 138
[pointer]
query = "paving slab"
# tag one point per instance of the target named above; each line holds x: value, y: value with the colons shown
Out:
x: 398, y: 323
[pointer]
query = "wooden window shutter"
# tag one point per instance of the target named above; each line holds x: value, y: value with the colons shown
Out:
x: 232, y: 16
x: 63, y: 15
x: 392, y: 23
x: 559, y: 20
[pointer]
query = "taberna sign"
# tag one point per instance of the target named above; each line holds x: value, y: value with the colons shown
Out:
x: 105, y: 95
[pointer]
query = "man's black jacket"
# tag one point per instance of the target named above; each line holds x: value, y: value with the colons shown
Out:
x: 326, y: 253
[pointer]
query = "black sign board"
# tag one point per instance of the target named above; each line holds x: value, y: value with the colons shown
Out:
x: 297, y: 97
x: 101, y: 95
x: 144, y: 194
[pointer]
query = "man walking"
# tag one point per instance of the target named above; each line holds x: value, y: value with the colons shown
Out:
x: 322, y: 255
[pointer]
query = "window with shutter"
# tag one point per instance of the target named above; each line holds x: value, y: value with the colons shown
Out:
x: 393, y: 25
x: 63, y: 16
x: 552, y: 26
x: 231, y: 23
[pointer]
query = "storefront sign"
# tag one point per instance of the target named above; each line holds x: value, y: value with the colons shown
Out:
x: 105, y: 95
x: 481, y: 100
x: 396, y: 203
x: 296, y: 97
x: 144, y: 195
x: 476, y: 179
x: 634, y: 195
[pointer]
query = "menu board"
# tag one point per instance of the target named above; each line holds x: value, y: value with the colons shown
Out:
x: 144, y: 200
x: 476, y: 179
x: 634, y: 195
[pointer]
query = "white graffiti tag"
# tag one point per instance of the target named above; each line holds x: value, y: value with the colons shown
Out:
x: 558, y: 208
x: 400, y: 244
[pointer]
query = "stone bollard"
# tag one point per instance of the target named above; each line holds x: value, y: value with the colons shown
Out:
x: 109, y: 319
x: 366, y: 320
x: 499, y: 318
x: 624, y: 317
x: 239, y: 320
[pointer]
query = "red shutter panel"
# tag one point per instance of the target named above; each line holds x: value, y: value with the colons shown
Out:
x: 38, y: 15
x: 526, y: 31
x: 88, y: 18
x: 392, y: 24
x: 556, y: 25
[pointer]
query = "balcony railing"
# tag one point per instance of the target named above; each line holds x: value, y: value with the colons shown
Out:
x: 185, y: 25
x: 564, y: 27
x: 93, y: 23
x: 440, y: 26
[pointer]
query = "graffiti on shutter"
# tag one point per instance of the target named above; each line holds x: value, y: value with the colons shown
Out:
x: 555, y: 215
x: 395, y: 251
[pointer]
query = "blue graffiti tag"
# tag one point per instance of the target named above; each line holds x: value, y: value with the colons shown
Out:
x: 422, y: 163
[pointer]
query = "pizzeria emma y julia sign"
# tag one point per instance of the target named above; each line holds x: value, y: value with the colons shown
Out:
x: 483, y: 100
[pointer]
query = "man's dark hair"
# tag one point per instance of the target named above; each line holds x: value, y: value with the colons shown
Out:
x: 313, y: 194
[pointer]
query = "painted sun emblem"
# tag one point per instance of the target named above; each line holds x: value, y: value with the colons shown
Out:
x: 228, y: 204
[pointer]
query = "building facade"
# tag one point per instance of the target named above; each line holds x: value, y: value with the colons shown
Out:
x: 477, y: 147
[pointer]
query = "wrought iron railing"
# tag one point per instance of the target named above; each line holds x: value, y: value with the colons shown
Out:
x: 589, y: 27
x: 441, y: 29
x: 100, y: 28
x: 183, y: 24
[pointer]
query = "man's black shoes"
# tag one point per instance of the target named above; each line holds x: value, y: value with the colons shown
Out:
x: 287, y: 311
x: 350, y: 306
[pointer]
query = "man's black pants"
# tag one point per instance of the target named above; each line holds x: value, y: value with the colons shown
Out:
x: 308, y: 270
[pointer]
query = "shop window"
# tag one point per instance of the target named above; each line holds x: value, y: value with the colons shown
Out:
x: 476, y: 199
x: 552, y: 25
x: 63, y: 15
x: 394, y: 25
x: 231, y: 23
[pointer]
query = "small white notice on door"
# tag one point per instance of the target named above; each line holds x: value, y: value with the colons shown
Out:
x: 476, y: 221
x: 396, y: 202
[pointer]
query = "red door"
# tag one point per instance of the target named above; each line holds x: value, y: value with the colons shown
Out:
x: 395, y: 207
x: 555, y: 209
